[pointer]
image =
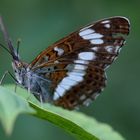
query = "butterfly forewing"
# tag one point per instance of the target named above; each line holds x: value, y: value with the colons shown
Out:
x: 76, y: 64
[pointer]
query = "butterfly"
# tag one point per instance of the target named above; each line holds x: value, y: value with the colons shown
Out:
x: 71, y: 72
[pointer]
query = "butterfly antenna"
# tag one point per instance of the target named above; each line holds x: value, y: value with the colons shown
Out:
x: 18, y: 44
x: 7, y: 39
x: 5, y: 48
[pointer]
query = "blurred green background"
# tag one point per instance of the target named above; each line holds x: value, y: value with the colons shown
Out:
x: 39, y: 23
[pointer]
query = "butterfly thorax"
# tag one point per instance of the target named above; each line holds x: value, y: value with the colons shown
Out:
x: 32, y: 81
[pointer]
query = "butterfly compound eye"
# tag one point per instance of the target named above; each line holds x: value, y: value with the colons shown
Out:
x: 18, y: 64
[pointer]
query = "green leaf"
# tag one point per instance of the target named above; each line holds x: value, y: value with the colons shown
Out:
x: 11, y: 106
x: 76, y: 123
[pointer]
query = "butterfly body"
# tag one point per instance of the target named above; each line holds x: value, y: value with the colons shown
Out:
x: 32, y: 81
x: 71, y: 72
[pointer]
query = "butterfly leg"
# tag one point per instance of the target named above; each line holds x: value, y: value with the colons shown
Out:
x: 4, y: 75
x: 15, y: 87
x: 41, y: 100
x: 29, y: 91
x: 39, y: 97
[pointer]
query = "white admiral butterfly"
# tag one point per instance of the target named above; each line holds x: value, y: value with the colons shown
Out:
x: 71, y: 72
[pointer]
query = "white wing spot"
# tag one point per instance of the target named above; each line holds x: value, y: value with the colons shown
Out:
x: 80, y: 67
x: 87, y: 102
x: 106, y: 21
x: 76, y: 77
x: 68, y: 82
x: 76, y: 73
x: 87, y: 55
x: 67, y: 87
x: 86, y: 32
x: 63, y: 86
x: 60, y: 90
x: 92, y: 36
x: 83, y: 97
x: 59, y: 50
x: 109, y: 49
x: 107, y: 25
x: 95, y: 48
x: 56, y: 96
x: 56, y: 62
x: 97, y: 41
x: 81, y: 61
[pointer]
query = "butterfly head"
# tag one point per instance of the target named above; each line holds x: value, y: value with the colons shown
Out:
x: 20, y: 69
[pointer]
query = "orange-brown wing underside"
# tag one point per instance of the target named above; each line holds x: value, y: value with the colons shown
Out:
x: 75, y: 65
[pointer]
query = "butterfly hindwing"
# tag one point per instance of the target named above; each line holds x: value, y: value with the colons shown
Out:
x: 79, y: 86
x: 75, y: 82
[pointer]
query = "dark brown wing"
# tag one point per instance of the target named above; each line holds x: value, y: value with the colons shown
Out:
x: 76, y: 64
